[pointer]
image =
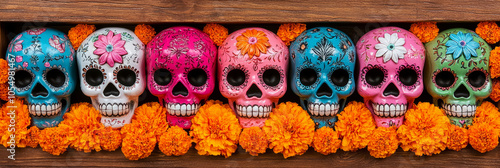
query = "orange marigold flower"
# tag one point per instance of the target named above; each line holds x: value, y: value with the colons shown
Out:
x: 383, y: 142
x: 215, y: 129
x: 151, y: 117
x: 175, y: 142
x: 489, y: 31
x: 289, y: 31
x: 487, y: 113
x: 495, y: 63
x: 289, y: 130
x: 217, y: 33
x: 355, y: 125
x: 54, y: 140
x: 138, y: 145
x: 4, y: 91
x: 145, y: 33
x: 110, y: 139
x: 79, y: 33
x: 458, y: 138
x: 22, y: 119
x: 326, y: 141
x: 4, y: 69
x: 425, y: 31
x: 253, y: 140
x: 425, y: 130
x: 495, y: 90
x: 84, y: 121
x: 483, y: 137
x: 32, y: 137
x: 252, y: 42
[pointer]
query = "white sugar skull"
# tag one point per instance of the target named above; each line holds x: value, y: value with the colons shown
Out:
x: 111, y: 65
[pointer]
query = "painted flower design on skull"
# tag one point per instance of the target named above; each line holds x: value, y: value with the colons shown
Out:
x: 391, y: 47
x: 16, y: 44
x: 461, y: 43
x: 110, y: 48
x: 252, y: 42
x: 36, y: 31
x: 57, y: 43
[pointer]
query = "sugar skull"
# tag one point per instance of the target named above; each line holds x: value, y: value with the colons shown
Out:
x: 322, y: 68
x: 45, y: 73
x: 252, y: 73
x: 391, y: 62
x: 111, y: 64
x: 457, y: 74
x: 181, y: 71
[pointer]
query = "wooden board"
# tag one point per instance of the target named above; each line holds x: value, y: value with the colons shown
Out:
x: 228, y: 11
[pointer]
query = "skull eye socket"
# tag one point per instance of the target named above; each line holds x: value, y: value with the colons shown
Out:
x: 22, y: 78
x: 374, y: 76
x: 408, y: 76
x: 477, y: 78
x: 197, y: 77
x: 308, y: 76
x: 445, y: 79
x: 162, y: 77
x: 340, y: 77
x: 236, y: 77
x: 94, y: 77
x: 126, y: 77
x: 271, y: 77
x: 55, y: 77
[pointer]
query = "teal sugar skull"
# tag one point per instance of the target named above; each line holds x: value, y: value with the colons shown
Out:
x: 45, y: 73
x: 322, y: 67
x: 457, y: 74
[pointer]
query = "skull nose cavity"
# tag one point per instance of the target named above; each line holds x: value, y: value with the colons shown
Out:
x: 324, y: 90
x: 39, y: 90
x: 391, y: 90
x: 254, y: 91
x: 111, y: 90
x: 461, y: 92
x: 180, y: 89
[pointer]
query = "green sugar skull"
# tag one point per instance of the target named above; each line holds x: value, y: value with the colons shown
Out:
x: 456, y: 73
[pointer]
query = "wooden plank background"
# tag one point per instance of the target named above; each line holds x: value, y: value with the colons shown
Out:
x: 237, y: 11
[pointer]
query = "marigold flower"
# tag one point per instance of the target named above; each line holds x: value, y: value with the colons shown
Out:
x: 22, y: 121
x: 217, y: 33
x: 487, y: 113
x: 383, y: 142
x: 355, y: 125
x: 425, y: 130
x: 110, y: 139
x: 79, y: 33
x: 495, y: 90
x: 253, y: 140
x: 289, y: 31
x: 483, y: 137
x: 4, y: 92
x: 458, y: 138
x: 138, y: 145
x: 175, y: 142
x: 252, y: 42
x: 145, y: 33
x: 326, y: 141
x: 425, y: 31
x: 84, y: 121
x: 151, y: 117
x: 289, y: 130
x: 32, y: 137
x: 4, y: 69
x: 54, y: 140
x: 495, y: 63
x: 215, y: 129
x: 489, y: 31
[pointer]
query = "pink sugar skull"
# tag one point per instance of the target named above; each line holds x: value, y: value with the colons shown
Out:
x: 252, y: 73
x: 391, y: 62
x: 181, y: 71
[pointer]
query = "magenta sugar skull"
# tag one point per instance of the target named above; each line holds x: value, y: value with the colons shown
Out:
x: 391, y: 62
x: 181, y: 71
x: 252, y: 73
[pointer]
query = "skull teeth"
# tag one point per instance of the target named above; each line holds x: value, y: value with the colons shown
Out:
x: 389, y: 110
x: 323, y: 109
x: 455, y: 110
x: 45, y: 110
x: 253, y: 111
x: 114, y: 109
x: 182, y: 110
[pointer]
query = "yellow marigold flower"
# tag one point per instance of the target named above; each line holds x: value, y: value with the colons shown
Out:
x: 326, y: 141
x: 215, y: 129
x: 138, y: 145
x: 289, y: 130
x: 4, y: 69
x: 32, y: 137
x: 383, y: 142
x: 54, y: 140
x: 289, y: 31
x: 110, y: 139
x: 253, y: 140
x: 425, y: 130
x: 84, y: 121
x: 483, y: 137
x: 458, y: 138
x: 217, y: 33
x: 145, y: 33
x: 22, y: 121
x: 355, y: 125
x: 4, y: 91
x: 79, y: 33
x: 495, y: 63
x: 489, y: 31
x: 175, y: 142
x: 425, y: 31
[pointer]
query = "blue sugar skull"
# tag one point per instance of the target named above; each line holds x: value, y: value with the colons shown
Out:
x: 322, y: 68
x: 45, y: 73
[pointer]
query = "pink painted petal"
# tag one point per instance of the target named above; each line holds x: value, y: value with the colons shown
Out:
x: 100, y: 44
x: 120, y: 51
x: 103, y: 38
x: 117, y: 57
x: 110, y: 61
x: 18, y: 48
x: 119, y: 44
x: 99, y: 51
x: 109, y: 37
x: 18, y: 37
x: 102, y: 59
x: 116, y: 38
x: 20, y: 42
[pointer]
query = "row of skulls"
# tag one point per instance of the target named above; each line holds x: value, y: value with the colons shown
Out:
x: 252, y: 64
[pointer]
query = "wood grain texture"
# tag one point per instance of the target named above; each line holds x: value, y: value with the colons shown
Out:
x: 237, y: 11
